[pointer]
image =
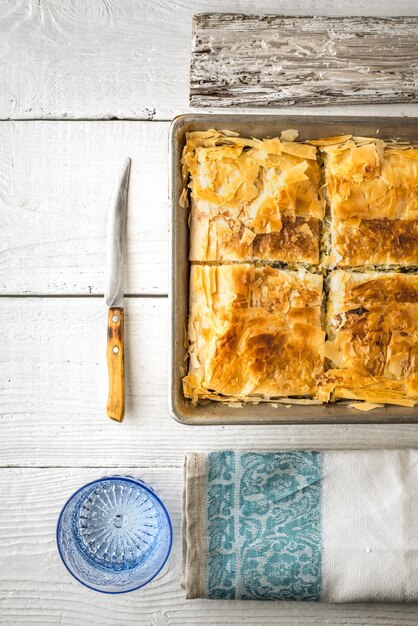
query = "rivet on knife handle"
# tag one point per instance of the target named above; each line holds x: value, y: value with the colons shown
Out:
x: 115, y: 365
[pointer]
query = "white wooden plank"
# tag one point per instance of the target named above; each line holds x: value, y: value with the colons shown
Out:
x: 35, y: 588
x: 53, y: 392
x: 56, y: 180
x: 267, y: 60
x: 130, y: 59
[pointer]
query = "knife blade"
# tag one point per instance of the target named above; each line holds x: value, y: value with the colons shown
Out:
x: 114, y: 288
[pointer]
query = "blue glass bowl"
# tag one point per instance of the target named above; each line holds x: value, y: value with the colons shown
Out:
x: 114, y: 534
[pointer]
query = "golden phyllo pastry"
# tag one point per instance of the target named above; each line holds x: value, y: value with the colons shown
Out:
x: 254, y: 333
x: 372, y: 347
x: 372, y: 189
x: 252, y: 199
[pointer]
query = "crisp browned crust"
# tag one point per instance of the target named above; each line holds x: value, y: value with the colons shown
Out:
x: 252, y: 199
x: 254, y: 332
x: 372, y: 327
x: 380, y: 241
x: 373, y: 195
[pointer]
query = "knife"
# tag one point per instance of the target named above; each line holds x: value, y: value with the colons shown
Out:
x: 114, y: 294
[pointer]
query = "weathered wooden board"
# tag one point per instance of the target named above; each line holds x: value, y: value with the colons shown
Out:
x: 53, y: 391
x: 56, y: 179
x: 95, y: 59
x: 253, y: 60
x: 36, y: 589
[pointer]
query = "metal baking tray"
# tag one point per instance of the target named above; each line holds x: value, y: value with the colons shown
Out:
x: 258, y: 125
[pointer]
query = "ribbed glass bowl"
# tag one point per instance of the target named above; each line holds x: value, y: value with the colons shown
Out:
x: 114, y: 534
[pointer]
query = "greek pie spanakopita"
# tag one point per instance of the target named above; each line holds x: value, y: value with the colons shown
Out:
x: 254, y: 332
x: 252, y: 199
x: 372, y: 328
x: 372, y: 190
x: 257, y: 332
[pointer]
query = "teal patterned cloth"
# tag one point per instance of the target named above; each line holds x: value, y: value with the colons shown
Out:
x: 334, y: 525
x: 253, y: 525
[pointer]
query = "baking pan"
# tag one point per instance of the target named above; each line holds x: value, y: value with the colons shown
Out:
x: 258, y: 125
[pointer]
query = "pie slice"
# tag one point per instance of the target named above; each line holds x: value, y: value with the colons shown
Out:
x: 372, y: 347
x: 252, y: 199
x: 254, y: 333
x: 372, y: 189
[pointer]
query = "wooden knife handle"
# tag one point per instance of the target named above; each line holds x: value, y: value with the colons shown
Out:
x: 115, y: 365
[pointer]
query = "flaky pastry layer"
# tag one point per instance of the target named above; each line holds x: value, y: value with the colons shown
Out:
x: 372, y: 189
x: 252, y: 199
x: 254, y: 333
x: 372, y: 327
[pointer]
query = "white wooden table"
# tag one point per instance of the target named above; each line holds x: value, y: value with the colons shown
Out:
x: 67, y: 60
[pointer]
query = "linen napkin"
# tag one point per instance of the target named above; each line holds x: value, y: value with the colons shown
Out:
x: 335, y: 526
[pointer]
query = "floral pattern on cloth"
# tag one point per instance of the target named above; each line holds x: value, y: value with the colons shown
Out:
x: 264, y: 525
